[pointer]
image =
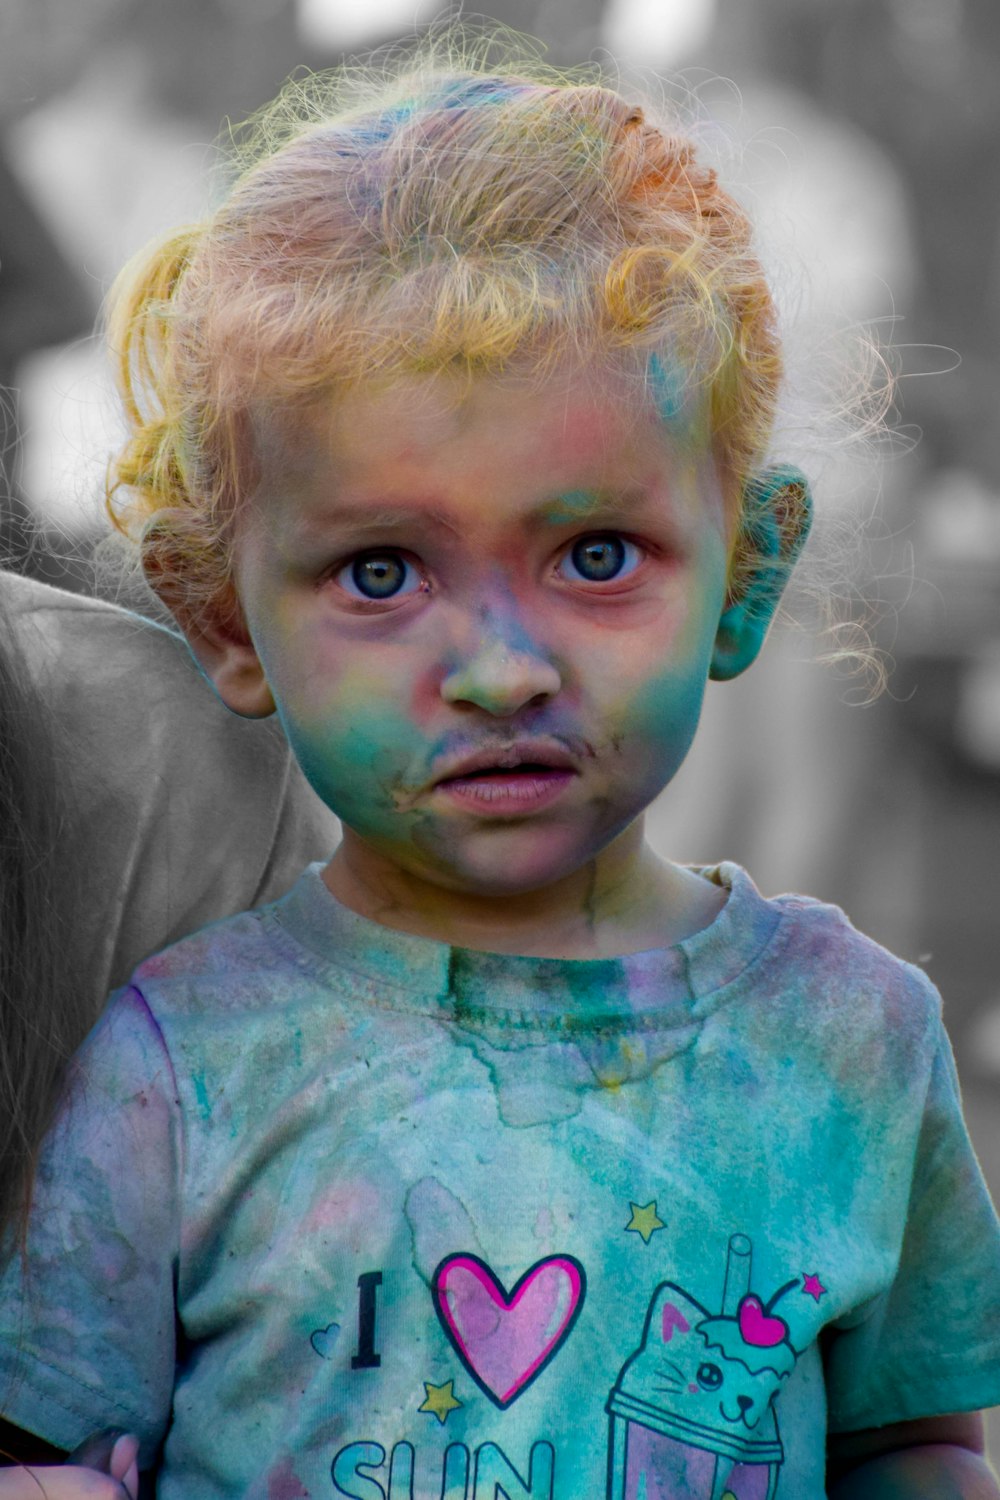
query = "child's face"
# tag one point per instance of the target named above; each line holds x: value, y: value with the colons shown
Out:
x: 486, y: 615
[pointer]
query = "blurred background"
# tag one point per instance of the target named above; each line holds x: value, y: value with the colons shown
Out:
x: 866, y: 139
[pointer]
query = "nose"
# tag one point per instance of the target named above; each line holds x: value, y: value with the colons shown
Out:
x: 502, y: 676
x: 744, y: 1403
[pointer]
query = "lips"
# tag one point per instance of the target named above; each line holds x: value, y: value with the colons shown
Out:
x: 519, y: 757
x: 507, y: 779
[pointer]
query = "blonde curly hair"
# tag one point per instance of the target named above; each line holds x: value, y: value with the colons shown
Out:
x: 440, y: 211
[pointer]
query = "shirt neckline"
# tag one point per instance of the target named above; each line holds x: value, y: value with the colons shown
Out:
x: 632, y: 991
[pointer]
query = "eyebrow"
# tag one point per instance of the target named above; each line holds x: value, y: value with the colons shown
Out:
x: 369, y: 516
x: 583, y: 502
x: 557, y: 509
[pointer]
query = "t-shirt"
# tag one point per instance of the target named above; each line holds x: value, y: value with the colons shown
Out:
x: 340, y: 1211
x: 174, y: 811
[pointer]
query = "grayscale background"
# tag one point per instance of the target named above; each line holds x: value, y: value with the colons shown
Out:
x: 865, y: 137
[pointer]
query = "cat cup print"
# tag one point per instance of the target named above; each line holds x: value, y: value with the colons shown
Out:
x: 692, y: 1411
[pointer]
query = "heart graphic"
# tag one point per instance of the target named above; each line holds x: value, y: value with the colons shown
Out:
x: 759, y: 1328
x: 324, y: 1339
x: 505, y: 1339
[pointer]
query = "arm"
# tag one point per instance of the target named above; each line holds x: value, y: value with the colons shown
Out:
x: 931, y: 1338
x: 935, y: 1458
x: 106, y: 1196
x: 29, y: 1466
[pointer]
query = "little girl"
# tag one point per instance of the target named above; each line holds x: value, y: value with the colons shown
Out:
x: 501, y: 1159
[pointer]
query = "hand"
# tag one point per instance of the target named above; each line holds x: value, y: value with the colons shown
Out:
x: 105, y: 1467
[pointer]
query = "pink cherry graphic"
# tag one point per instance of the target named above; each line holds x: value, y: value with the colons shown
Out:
x: 758, y: 1327
x: 504, y: 1339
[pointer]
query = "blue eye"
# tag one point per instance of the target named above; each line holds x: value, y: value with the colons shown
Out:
x: 379, y: 575
x: 709, y: 1377
x: 600, y: 558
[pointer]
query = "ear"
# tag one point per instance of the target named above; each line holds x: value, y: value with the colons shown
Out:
x: 221, y: 644
x: 229, y: 660
x: 776, y: 517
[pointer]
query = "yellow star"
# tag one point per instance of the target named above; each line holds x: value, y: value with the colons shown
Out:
x: 644, y: 1221
x: 440, y: 1399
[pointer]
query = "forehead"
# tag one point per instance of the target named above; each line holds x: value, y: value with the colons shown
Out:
x: 504, y: 441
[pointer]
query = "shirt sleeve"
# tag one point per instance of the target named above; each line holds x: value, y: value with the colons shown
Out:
x: 930, y: 1343
x: 87, y: 1315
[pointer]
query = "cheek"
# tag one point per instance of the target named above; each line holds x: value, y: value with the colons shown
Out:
x: 354, y: 744
x: 655, y: 703
x: 655, y: 725
x: 352, y: 730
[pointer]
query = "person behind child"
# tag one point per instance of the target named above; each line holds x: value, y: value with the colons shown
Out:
x: 133, y: 809
x: 501, y: 1156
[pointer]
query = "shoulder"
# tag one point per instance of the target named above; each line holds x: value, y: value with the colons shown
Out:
x: 100, y: 669
x: 132, y: 708
x: 238, y: 963
x: 38, y: 610
x: 92, y: 658
x: 111, y: 678
x: 845, y: 960
x: 828, y: 982
x: 176, y: 810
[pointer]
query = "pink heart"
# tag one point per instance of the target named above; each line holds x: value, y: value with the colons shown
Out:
x: 758, y: 1327
x: 504, y: 1339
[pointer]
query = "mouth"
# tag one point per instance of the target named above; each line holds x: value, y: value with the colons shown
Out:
x: 741, y: 1417
x: 507, y: 780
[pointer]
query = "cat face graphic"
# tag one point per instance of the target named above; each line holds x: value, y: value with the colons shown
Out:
x: 717, y: 1372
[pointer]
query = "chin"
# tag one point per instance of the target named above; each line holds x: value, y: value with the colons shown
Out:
x: 513, y: 861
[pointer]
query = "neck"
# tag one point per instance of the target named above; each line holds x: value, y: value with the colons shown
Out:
x: 625, y: 900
